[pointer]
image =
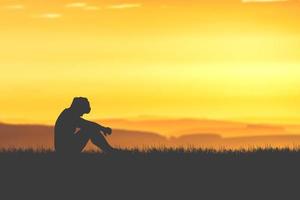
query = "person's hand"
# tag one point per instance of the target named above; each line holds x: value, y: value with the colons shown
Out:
x: 107, y: 131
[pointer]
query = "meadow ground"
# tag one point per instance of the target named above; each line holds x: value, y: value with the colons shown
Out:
x: 151, y: 174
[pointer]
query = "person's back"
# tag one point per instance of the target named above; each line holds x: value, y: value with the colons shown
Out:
x: 71, y: 132
x: 65, y: 128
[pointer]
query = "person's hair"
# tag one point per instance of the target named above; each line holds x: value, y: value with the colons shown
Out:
x: 81, y: 104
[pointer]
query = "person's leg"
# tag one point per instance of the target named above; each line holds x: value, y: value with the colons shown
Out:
x: 97, y: 139
x: 82, y: 139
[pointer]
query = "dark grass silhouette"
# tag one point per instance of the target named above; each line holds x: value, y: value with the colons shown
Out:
x: 151, y: 174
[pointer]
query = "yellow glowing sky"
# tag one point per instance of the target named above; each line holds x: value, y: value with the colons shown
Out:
x: 230, y: 59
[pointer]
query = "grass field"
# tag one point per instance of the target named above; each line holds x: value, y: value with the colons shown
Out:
x: 151, y: 174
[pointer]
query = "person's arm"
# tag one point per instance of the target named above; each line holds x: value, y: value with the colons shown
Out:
x: 82, y: 123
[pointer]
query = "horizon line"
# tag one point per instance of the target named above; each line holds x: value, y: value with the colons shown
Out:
x: 157, y: 118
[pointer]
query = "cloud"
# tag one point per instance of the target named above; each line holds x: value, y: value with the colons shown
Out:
x: 15, y: 7
x: 124, y: 6
x: 82, y: 5
x: 49, y: 15
x: 263, y: 1
x: 76, y: 5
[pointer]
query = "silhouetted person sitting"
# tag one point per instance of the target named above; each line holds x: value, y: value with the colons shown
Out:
x: 73, y: 132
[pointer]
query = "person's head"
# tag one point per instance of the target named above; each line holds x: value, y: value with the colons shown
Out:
x: 81, y: 105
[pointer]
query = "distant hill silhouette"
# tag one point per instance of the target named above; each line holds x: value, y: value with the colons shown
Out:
x: 26, y: 136
x: 178, y: 127
x: 37, y: 136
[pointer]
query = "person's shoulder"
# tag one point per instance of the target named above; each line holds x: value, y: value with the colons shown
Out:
x: 62, y: 116
x: 66, y: 111
x: 65, y: 115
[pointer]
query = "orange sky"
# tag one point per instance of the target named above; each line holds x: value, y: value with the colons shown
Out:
x: 213, y: 59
